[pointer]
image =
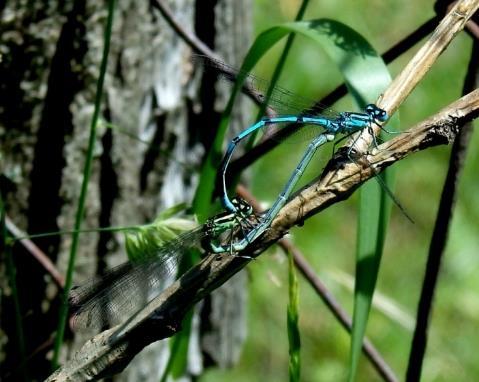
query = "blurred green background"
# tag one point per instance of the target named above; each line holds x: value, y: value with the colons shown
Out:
x: 328, y: 239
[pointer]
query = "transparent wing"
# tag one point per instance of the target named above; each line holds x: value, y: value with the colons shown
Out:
x: 127, y: 288
x: 282, y: 100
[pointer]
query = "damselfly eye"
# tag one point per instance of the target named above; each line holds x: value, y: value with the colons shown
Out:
x: 382, y: 115
x: 242, y: 206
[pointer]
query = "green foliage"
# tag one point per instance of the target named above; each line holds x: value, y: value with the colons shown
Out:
x: 143, y: 241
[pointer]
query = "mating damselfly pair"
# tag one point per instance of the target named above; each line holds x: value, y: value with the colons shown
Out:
x: 124, y: 290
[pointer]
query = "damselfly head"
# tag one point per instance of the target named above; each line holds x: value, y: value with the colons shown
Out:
x: 377, y: 113
x: 242, y: 206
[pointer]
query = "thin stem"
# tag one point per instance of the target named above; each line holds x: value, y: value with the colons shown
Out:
x: 190, y: 38
x: 36, y: 252
x: 63, y: 312
x: 201, y: 48
x: 473, y: 29
x: 75, y: 231
x: 41, y: 257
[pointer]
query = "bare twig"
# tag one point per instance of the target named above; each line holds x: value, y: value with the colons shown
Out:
x: 190, y: 38
x: 473, y: 29
x: 36, y: 252
x: 112, y: 350
x: 321, y: 289
x: 341, y: 315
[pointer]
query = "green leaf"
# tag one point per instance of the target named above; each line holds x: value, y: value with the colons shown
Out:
x: 143, y: 242
x: 374, y: 211
x: 292, y: 323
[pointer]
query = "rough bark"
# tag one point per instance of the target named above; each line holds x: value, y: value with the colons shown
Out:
x: 50, y: 61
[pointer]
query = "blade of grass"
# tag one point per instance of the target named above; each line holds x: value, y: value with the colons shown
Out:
x: 373, y: 218
x: 294, y: 338
x: 372, y: 225
x: 63, y: 312
x: 6, y: 249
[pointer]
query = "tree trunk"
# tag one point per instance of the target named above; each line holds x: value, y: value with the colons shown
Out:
x: 50, y: 64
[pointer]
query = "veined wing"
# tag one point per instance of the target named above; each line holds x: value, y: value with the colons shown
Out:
x: 281, y: 99
x: 127, y: 288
